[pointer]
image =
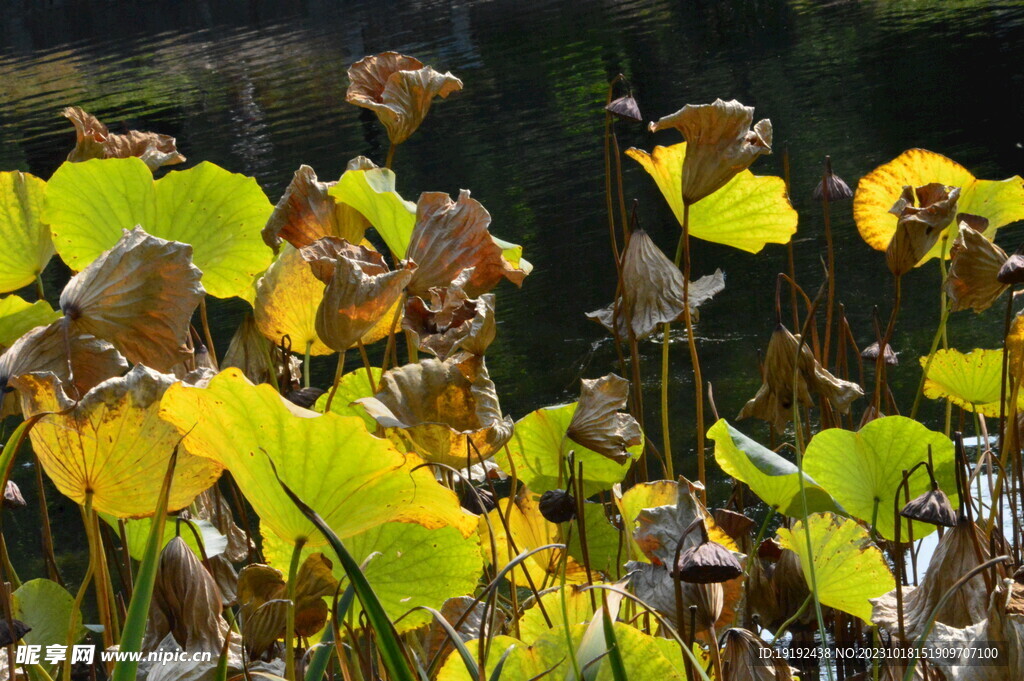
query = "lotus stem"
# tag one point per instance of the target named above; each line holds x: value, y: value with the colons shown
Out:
x: 790, y: 255
x: 391, y: 155
x: 789, y: 622
x: 289, y: 633
x: 80, y: 596
x: 305, y: 364
x: 5, y: 563
x: 883, y: 343
x: 47, y: 535
x: 760, y: 535
x: 831, y: 259
x: 366, y: 365
x: 939, y: 333
x: 582, y: 523
x: 206, y: 331
x: 338, y: 373
x: 698, y: 381
x: 40, y: 291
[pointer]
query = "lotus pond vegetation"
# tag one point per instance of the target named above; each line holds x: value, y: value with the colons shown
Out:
x: 397, y: 523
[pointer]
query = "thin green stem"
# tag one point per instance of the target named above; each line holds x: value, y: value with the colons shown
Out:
x: 289, y: 634
x: 338, y: 373
x: 796, y: 615
x: 305, y: 364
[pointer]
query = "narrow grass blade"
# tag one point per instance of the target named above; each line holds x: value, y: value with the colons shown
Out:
x: 496, y: 674
x: 467, y: 658
x: 614, y: 652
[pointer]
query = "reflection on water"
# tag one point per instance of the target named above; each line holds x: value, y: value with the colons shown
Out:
x: 259, y: 87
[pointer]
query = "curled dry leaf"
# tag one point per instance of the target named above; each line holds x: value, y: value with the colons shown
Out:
x: 451, y: 321
x: 451, y: 237
x: 360, y: 289
x: 287, y: 299
x: 12, y: 496
x: 774, y: 399
x: 307, y: 212
x: 213, y: 507
x: 433, y: 407
x: 313, y: 583
x: 263, y: 608
x: 974, y: 267
x: 720, y: 143
x: 625, y: 108
x: 399, y: 89
x: 924, y: 213
x: 598, y: 422
x: 744, y: 657
x: 112, y: 444
x: 653, y: 290
x: 654, y: 585
x: 140, y: 296
x: 186, y: 603
x: 95, y: 141
x: 257, y: 357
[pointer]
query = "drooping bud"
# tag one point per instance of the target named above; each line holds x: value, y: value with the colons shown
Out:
x: 1012, y: 271
x: 871, y: 353
x: 707, y: 563
x: 625, y: 108
x: 832, y: 187
x: 557, y: 506
x: 12, y: 496
x: 305, y: 397
x: 932, y: 507
x: 478, y: 501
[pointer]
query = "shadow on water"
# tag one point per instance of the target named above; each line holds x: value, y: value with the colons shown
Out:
x: 259, y: 87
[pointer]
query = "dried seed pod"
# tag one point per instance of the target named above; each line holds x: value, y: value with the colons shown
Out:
x: 6, y: 637
x: 932, y: 507
x: 625, y: 108
x: 1012, y: 271
x: 557, y: 506
x: 871, y: 352
x: 707, y: 563
x: 480, y: 502
x: 305, y: 397
x: 832, y: 187
x: 12, y: 496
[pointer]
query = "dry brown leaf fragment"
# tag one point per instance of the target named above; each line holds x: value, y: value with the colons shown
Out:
x: 250, y: 351
x: 139, y: 296
x: 95, y: 141
x: 263, y: 607
x: 186, y: 603
x: 432, y: 407
x: 972, y: 281
x: 598, y: 422
x: 924, y: 213
x: 307, y: 212
x: 313, y: 583
x: 213, y: 507
x: 720, y: 143
x: 451, y: 320
x: 450, y: 237
x: 12, y: 496
x: 399, y: 89
x: 745, y: 657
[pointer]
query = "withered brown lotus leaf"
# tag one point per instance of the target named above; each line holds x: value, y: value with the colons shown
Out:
x: 226, y: 578
x: 832, y: 186
x: 95, y: 141
x: 453, y: 236
x: 213, y: 507
x: 140, y: 296
x: 653, y: 290
x: 263, y: 607
x: 598, y: 422
x: 720, y: 143
x: 954, y: 557
x: 762, y: 599
x: 468, y: 626
x: 736, y: 525
x: 745, y: 657
x: 46, y: 349
x: 774, y: 399
x: 186, y: 602
x: 307, y: 212
x: 433, y: 406
x: 920, y: 224
x: 871, y: 352
x: 654, y: 585
x: 12, y: 496
x: 451, y: 321
x: 257, y: 357
x: 625, y: 107
x: 399, y: 89
x: 975, y: 262
x: 932, y: 507
x: 313, y: 583
x: 360, y: 289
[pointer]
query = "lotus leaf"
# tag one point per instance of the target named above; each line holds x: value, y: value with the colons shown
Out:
x: 716, y: 603
x: 658, y: 529
x: 858, y: 468
x: 307, y: 212
x: 371, y: 191
x: 18, y: 317
x: 636, y: 499
x: 360, y: 290
x: 606, y: 552
x: 220, y: 214
x: 137, y: 532
x: 747, y: 213
x: 970, y: 381
x: 923, y: 215
x: 541, y: 444
x: 112, y: 445
x: 578, y: 606
x: 407, y: 565
x: 26, y: 238
x: 399, y: 89
x: 849, y: 569
x: 451, y: 321
x: 354, y: 480
x: 547, y: 657
x: 140, y: 296
x: 653, y: 290
x: 48, y: 609
x: 432, y: 407
x: 768, y: 475
x: 721, y: 144
x: 287, y: 299
x: 95, y: 141
x: 598, y: 422
x: 973, y: 270
x: 452, y: 236
x: 353, y: 386
x: 1001, y: 202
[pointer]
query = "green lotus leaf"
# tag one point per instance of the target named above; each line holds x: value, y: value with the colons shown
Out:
x: 747, y: 213
x: 849, y: 569
x: 372, y: 192
x: 46, y: 607
x: 540, y: 444
x: 287, y: 298
x: 578, y: 606
x: 768, y: 475
x: 861, y: 467
x: 413, y: 566
x: 26, y: 238
x: 355, y: 481
x: 353, y: 386
x: 971, y: 381
x: 137, y: 533
x: 526, y: 661
x: 603, y: 549
x: 18, y: 317
x: 219, y: 213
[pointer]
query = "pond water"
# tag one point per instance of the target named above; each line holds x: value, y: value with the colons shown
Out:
x: 259, y: 88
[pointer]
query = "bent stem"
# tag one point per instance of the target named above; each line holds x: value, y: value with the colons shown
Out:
x: 698, y: 381
x: 831, y: 260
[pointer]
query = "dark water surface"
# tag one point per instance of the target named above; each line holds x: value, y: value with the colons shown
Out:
x: 259, y: 88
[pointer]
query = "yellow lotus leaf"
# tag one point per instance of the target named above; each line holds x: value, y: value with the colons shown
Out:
x: 528, y: 530
x: 26, y: 239
x: 1000, y: 202
x: 287, y: 298
x: 307, y: 212
x: 18, y: 317
x: 139, y: 295
x: 112, y: 443
x: 747, y: 213
x: 354, y: 480
x: 256, y: 356
x: 95, y: 141
x: 972, y: 381
x: 1015, y: 346
x: 399, y: 89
